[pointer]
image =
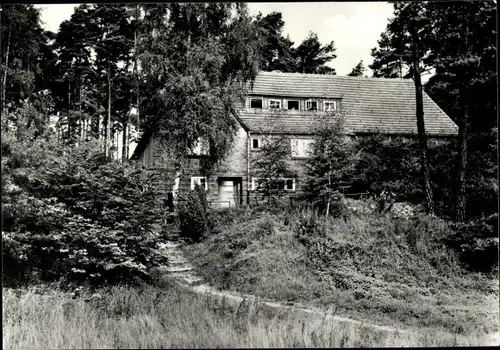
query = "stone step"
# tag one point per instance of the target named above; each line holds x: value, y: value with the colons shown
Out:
x: 178, y: 263
x: 190, y: 280
x: 179, y: 269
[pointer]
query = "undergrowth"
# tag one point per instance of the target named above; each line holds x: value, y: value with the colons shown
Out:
x: 371, y: 267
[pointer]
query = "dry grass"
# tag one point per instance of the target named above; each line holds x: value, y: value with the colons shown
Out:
x: 167, y: 317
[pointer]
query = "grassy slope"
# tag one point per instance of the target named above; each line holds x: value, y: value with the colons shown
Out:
x: 372, y: 268
x: 167, y: 317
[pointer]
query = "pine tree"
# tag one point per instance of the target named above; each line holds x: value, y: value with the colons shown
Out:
x: 22, y: 37
x: 272, y: 165
x: 358, y: 70
x: 331, y: 164
x: 407, y: 41
x: 312, y: 56
x: 278, y: 51
x: 465, y: 62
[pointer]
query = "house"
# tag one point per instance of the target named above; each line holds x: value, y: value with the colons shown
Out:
x: 292, y: 104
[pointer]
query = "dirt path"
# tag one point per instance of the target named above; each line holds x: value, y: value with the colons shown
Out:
x: 181, y: 270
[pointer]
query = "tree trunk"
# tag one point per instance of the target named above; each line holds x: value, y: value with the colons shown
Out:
x: 80, y: 116
x: 136, y: 76
x: 68, y: 116
x: 462, y: 156
x: 4, y: 78
x: 329, y: 195
x: 422, y: 139
x: 124, y: 142
x: 175, y: 188
x: 107, y: 142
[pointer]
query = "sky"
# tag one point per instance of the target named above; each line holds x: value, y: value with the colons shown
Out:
x: 354, y: 27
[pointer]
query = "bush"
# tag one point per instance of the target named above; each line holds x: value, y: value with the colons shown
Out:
x: 477, y: 243
x: 195, y: 221
x: 71, y: 213
x: 390, y: 165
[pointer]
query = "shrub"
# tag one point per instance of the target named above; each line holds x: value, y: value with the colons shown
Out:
x: 73, y: 214
x: 477, y: 242
x: 195, y: 221
x: 331, y: 164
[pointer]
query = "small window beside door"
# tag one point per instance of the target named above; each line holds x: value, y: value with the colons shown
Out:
x: 199, y: 180
x: 255, y: 143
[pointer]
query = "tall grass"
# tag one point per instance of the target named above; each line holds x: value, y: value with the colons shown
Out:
x: 168, y: 317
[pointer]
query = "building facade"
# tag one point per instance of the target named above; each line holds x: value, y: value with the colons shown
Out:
x: 295, y: 105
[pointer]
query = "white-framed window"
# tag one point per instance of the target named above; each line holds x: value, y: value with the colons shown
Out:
x: 256, y: 102
x: 274, y: 104
x: 255, y: 143
x: 293, y: 104
x: 200, y: 180
x: 330, y: 106
x: 201, y: 148
x: 311, y: 105
x: 301, y: 147
x: 284, y: 184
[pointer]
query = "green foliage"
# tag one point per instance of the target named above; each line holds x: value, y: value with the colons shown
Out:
x: 277, y: 51
x: 312, y: 57
x: 358, y: 70
x: 71, y: 213
x: 477, y: 242
x: 331, y: 164
x: 272, y: 164
x: 195, y: 221
x: 388, y: 164
x: 23, y: 39
x: 392, y: 165
x: 195, y: 66
x: 369, y: 266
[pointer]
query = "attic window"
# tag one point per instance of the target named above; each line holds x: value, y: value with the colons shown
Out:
x: 255, y: 103
x: 274, y: 104
x: 293, y: 104
x: 312, y: 105
x: 330, y: 106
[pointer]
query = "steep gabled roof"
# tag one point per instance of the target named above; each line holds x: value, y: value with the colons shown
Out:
x: 370, y: 104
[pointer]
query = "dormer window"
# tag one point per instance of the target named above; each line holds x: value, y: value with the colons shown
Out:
x: 256, y: 103
x: 293, y: 104
x: 312, y: 105
x: 330, y: 106
x: 274, y: 104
